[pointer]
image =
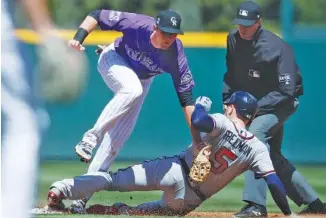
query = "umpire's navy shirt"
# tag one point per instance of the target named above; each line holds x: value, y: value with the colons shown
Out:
x: 265, y: 67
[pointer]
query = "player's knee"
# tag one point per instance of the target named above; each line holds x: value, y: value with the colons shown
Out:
x: 260, y: 130
x: 134, y: 93
x: 138, y: 91
x: 104, y: 176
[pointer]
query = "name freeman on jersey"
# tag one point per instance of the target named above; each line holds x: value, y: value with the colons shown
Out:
x: 143, y: 59
x: 237, y: 143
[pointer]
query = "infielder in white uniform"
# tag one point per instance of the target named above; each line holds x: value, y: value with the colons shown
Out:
x: 233, y: 151
x: 148, y: 47
x: 20, y: 108
x: 20, y: 130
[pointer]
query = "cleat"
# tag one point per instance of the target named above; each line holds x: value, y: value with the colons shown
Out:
x: 251, y: 210
x: 78, y: 207
x: 85, y: 147
x: 311, y: 210
x: 55, y: 198
x: 84, y: 151
x: 55, y: 204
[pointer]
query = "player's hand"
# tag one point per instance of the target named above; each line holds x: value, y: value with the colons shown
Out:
x: 205, y: 102
x: 62, y: 72
x: 76, y: 45
x: 100, y: 49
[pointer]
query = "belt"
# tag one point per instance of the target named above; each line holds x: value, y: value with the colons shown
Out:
x: 191, y: 185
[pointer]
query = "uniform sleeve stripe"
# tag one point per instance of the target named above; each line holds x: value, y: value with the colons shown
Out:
x: 269, y: 173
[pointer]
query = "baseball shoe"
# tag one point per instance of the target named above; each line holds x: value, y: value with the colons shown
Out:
x: 251, y: 210
x: 55, y: 198
x: 84, y: 148
x: 78, y: 207
x: 55, y: 204
x: 314, y: 208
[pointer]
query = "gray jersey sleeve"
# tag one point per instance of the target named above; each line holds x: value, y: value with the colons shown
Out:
x: 219, y: 123
x: 262, y: 163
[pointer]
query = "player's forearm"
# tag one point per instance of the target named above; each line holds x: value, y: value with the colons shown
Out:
x: 37, y: 11
x: 278, y: 192
x: 188, y: 110
x: 89, y: 24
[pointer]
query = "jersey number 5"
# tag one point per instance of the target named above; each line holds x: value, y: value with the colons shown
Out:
x: 220, y: 157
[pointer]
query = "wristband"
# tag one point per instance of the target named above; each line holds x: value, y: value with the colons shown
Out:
x: 81, y: 35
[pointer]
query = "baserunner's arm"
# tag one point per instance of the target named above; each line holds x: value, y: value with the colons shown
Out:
x: 201, y: 120
x: 278, y: 192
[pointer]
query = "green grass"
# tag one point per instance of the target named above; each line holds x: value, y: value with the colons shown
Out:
x: 229, y: 199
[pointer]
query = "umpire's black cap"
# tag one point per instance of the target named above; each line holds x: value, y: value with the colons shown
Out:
x: 247, y: 14
x: 169, y: 21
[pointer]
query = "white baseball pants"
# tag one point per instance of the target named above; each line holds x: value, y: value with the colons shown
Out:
x: 20, y: 130
x: 117, y: 120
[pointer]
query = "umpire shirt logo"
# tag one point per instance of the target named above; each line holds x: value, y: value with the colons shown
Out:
x: 253, y: 74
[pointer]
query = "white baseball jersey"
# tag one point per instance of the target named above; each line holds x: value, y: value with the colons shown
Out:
x: 234, y: 150
x: 20, y: 129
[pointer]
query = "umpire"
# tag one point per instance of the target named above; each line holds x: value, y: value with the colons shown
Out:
x: 262, y: 64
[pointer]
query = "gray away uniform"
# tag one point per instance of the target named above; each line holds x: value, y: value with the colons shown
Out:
x: 234, y: 150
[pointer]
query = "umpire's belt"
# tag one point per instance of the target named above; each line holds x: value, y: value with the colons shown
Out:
x: 194, y: 187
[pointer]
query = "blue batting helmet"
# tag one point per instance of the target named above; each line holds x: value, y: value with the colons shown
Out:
x: 245, y: 104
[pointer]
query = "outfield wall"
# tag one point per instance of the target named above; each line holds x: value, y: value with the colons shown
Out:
x: 161, y: 128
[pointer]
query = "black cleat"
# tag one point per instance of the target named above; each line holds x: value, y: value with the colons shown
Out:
x: 314, y: 210
x: 251, y: 210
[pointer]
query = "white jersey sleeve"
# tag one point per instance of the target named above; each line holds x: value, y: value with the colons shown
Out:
x: 262, y: 163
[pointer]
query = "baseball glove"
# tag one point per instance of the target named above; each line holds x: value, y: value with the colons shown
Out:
x: 201, y: 165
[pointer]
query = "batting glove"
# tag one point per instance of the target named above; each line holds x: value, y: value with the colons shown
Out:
x: 205, y: 102
x: 99, y: 49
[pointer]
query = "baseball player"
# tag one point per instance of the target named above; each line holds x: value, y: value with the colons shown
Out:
x: 229, y: 149
x: 20, y: 108
x: 148, y: 47
x: 261, y: 63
